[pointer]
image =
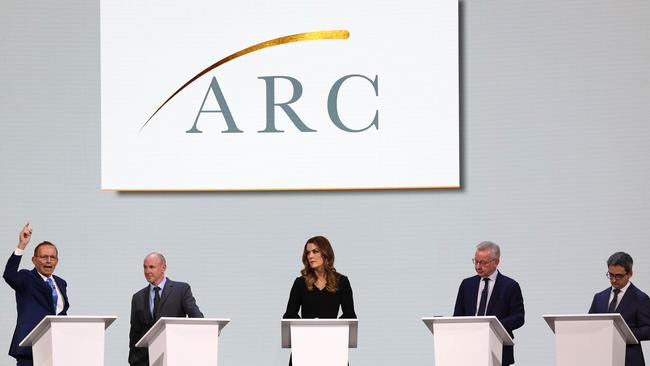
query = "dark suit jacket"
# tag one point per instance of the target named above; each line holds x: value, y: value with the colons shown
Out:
x: 634, y: 307
x: 33, y: 301
x: 176, y: 300
x: 506, y: 303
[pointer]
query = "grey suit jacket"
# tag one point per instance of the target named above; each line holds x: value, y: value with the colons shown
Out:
x: 176, y: 300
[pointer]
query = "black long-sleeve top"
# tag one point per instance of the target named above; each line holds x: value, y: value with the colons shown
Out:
x: 317, y: 303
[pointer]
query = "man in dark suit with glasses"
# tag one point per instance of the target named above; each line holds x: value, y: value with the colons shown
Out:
x: 626, y: 299
x: 38, y: 291
x: 492, y: 293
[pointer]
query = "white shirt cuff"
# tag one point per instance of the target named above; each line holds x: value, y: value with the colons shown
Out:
x: 19, y: 251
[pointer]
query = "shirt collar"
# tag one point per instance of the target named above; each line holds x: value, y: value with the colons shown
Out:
x: 44, y: 277
x: 623, y: 289
x: 492, y: 277
x: 161, y: 284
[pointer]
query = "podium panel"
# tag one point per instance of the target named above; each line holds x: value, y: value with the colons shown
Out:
x: 183, y: 341
x: 69, y: 340
x: 319, y: 342
x: 590, y: 339
x: 471, y: 340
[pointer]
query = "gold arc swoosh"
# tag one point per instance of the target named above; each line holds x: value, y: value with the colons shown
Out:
x: 309, y: 36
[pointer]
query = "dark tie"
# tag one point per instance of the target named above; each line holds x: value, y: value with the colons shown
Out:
x: 484, y: 297
x: 612, y: 305
x: 55, y: 296
x: 156, y: 300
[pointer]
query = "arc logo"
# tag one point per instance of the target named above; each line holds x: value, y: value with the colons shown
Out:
x: 215, y: 91
x: 283, y: 95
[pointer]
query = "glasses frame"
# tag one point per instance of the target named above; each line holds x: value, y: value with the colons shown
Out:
x: 482, y: 263
x: 617, y: 276
x: 45, y: 258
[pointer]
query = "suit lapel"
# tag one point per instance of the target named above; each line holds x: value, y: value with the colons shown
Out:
x: 44, y: 289
x: 625, y: 300
x: 473, y: 293
x: 496, y: 290
x: 602, y: 301
x: 147, y: 311
x: 169, y: 287
x: 59, y: 285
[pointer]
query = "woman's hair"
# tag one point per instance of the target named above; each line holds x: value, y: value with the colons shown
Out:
x: 309, y: 274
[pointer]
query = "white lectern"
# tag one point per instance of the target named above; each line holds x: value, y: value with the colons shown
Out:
x: 590, y: 339
x: 183, y: 341
x: 319, y: 342
x: 68, y: 340
x: 468, y: 340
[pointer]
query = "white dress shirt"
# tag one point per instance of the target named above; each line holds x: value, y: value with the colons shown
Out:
x: 620, y: 295
x: 481, y: 286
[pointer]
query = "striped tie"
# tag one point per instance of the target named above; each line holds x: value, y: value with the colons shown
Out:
x: 55, y: 296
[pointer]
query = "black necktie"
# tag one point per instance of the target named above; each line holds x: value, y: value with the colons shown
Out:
x: 612, y: 305
x: 156, y: 300
x: 484, y: 296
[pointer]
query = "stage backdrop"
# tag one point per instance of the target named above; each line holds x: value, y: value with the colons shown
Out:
x: 554, y: 134
x: 230, y: 95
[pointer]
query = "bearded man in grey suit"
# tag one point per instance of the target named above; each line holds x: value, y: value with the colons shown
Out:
x: 161, y: 298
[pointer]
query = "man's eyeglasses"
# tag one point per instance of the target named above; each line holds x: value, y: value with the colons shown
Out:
x: 482, y: 263
x: 617, y: 276
x: 44, y: 258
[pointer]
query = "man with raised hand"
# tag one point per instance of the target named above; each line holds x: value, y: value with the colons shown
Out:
x: 38, y: 291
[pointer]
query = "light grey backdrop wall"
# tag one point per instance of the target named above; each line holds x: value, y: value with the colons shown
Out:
x: 556, y: 99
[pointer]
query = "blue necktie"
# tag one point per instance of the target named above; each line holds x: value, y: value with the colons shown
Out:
x: 55, y: 296
x: 484, y: 296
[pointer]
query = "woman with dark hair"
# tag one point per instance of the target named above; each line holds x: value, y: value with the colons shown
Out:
x: 320, y: 291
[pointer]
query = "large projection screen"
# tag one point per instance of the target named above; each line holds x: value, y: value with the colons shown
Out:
x: 252, y: 95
